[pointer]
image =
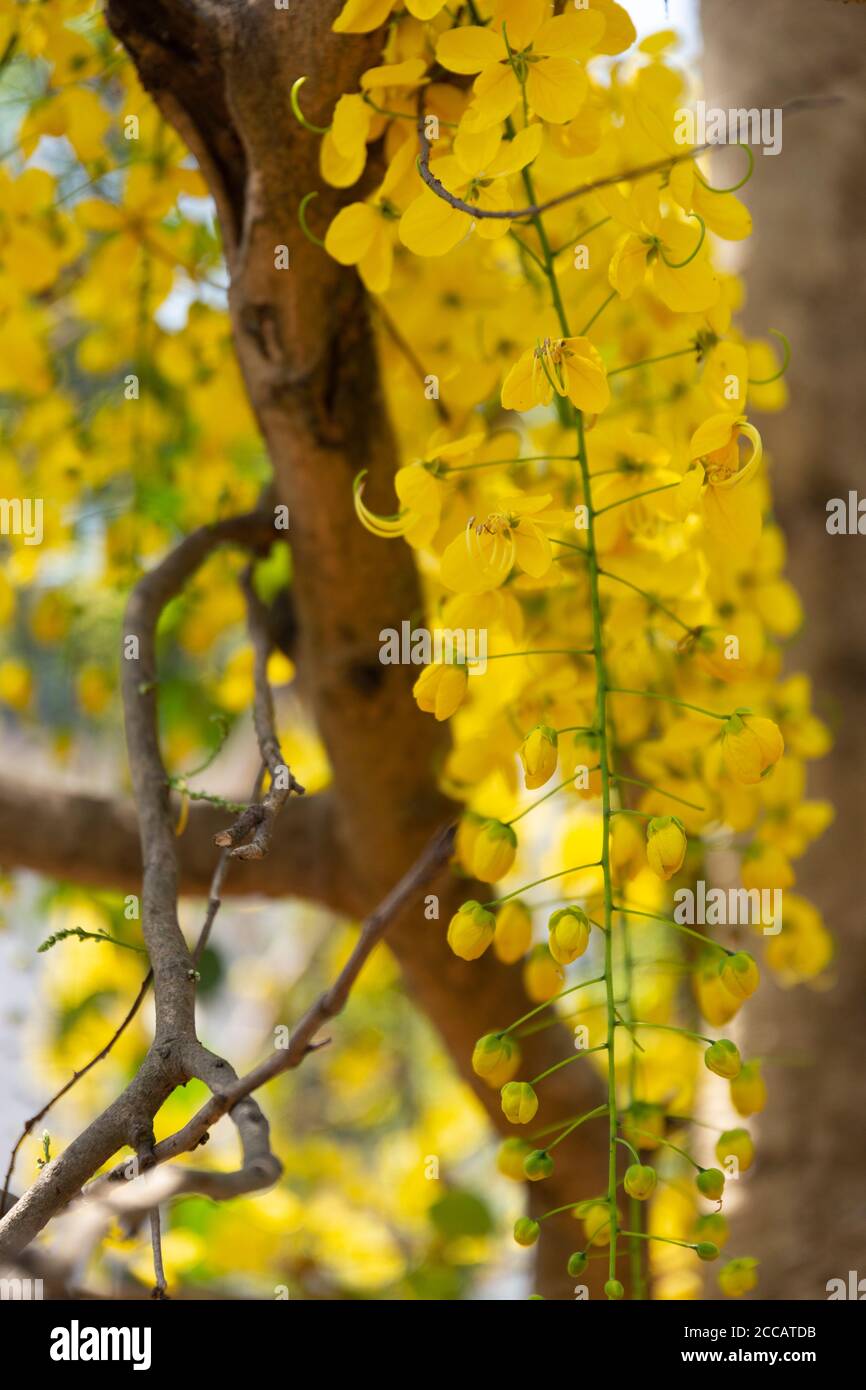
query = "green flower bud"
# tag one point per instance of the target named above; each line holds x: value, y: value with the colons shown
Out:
x: 706, y: 1250
x: 614, y: 1289
x: 739, y: 974
x: 738, y: 1276
x: 577, y: 1263
x: 713, y: 1227
x: 723, y: 1058
x: 538, y: 1165
x: 711, y: 1182
x: 526, y: 1231
x: 519, y: 1102
x: 640, y: 1181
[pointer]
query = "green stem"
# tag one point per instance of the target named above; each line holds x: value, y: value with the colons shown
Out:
x: 567, y: 1061
x: 638, y: 782
x: 649, y: 361
x: 548, y: 1003
x: 656, y: 695
x: 561, y: 873
x: 591, y: 1115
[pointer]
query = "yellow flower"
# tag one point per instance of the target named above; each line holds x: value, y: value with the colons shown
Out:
x: 730, y: 503
x: 570, y: 366
x: 521, y: 47
x: 538, y: 753
x: 470, y: 930
x: 477, y: 173
x: 568, y: 934
x: 494, y: 851
x: 482, y: 555
x: 513, y: 931
x: 440, y: 689
x: 362, y: 234
x: 666, y: 845
x: 362, y: 16
x: 751, y: 746
x: 667, y: 250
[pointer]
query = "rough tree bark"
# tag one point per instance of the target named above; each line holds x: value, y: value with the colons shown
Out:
x: 804, y: 1214
x: 221, y: 71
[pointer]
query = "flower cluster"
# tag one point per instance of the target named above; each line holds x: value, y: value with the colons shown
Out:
x: 584, y: 483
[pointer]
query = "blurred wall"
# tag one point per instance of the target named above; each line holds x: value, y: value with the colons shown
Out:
x: 805, y: 1216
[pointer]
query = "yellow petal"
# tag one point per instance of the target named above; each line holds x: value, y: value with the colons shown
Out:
x: 469, y: 49
x: 431, y: 227
x: 556, y: 88
x: 360, y: 16
x: 351, y: 234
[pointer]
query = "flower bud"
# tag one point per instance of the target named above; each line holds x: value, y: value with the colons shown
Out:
x: 736, y: 1143
x: 494, y: 850
x: 440, y: 689
x: 666, y: 845
x: 711, y: 1183
x: 513, y: 931
x: 470, y: 930
x: 526, y: 1231
x: 716, y: 1003
x: 538, y: 753
x: 713, y: 1227
x: 751, y: 746
x: 614, y: 1289
x: 739, y: 974
x: 542, y: 977
x: 538, y: 1165
x: 640, y: 1181
x: 568, y: 934
x: 519, y: 1102
x: 596, y: 1222
x: 577, y: 1263
x: 723, y: 1058
x: 706, y: 1250
x: 496, y: 1058
x: 510, y: 1158
x: 738, y: 1276
x: 643, y: 1124
x: 748, y: 1090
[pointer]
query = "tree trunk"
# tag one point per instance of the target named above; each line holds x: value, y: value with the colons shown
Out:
x: 804, y: 1215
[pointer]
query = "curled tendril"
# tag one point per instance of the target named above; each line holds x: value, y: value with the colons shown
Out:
x: 302, y: 218
x: 786, y: 359
x: 734, y: 186
x: 678, y: 265
x: 298, y: 113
